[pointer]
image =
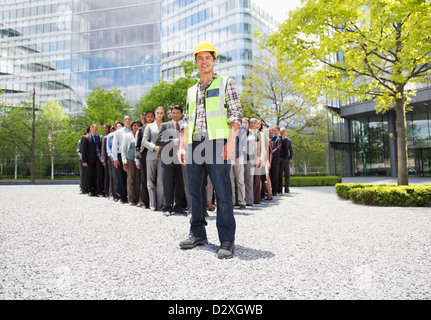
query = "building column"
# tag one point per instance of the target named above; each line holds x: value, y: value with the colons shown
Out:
x: 350, y: 150
x: 393, y: 143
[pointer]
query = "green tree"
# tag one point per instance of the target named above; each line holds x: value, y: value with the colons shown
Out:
x: 166, y: 94
x: 71, y: 134
x: 309, y: 151
x: 363, y: 49
x: 53, y: 119
x: 105, y: 106
x: 269, y: 95
x: 159, y: 95
x: 18, y: 125
x: 308, y: 140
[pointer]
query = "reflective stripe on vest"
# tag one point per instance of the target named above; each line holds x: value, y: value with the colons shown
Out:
x: 215, y: 109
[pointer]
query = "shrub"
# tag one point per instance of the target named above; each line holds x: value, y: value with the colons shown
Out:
x: 343, y: 189
x: 311, y: 181
x: 416, y: 195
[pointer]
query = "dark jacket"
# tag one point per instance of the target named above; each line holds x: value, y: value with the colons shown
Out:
x: 141, y: 151
x: 165, y: 139
x: 286, y: 149
x: 90, y: 151
x: 276, y: 147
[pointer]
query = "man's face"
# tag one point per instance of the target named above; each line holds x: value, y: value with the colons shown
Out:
x: 93, y: 130
x: 176, y: 115
x: 127, y: 121
x: 271, y: 131
x: 205, y: 62
x: 143, y: 118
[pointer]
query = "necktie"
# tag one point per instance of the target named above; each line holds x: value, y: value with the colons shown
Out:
x: 177, y: 127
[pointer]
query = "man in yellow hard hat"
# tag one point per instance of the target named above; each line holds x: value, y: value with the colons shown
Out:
x: 209, y: 129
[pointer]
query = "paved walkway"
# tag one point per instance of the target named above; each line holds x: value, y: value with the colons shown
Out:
x: 309, y: 244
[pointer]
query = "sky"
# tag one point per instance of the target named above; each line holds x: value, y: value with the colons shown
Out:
x: 277, y: 8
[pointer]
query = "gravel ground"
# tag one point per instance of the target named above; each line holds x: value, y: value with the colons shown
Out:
x: 58, y: 244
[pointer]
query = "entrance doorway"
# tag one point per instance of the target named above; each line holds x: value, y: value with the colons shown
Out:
x: 422, y: 158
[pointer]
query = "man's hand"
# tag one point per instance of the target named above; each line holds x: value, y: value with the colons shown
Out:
x: 181, y: 154
x: 230, y: 146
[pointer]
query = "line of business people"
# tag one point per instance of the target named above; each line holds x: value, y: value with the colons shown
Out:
x: 135, y: 162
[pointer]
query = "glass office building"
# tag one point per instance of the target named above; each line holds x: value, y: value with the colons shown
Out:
x: 360, y: 142
x: 62, y: 49
x: 229, y: 25
x: 35, y: 52
x: 115, y: 43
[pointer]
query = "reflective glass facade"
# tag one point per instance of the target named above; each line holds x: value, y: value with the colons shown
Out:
x: 360, y: 144
x: 228, y: 24
x: 64, y: 48
x: 115, y: 44
x: 35, y: 51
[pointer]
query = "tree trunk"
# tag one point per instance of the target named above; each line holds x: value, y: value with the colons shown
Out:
x: 403, y: 176
x: 33, y: 140
x: 16, y: 167
x: 305, y: 167
x: 52, y: 167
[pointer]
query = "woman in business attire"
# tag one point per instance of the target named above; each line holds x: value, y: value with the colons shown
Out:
x: 131, y: 164
x: 154, y: 162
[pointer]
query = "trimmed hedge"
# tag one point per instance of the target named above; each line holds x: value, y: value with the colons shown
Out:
x: 343, y: 189
x: 312, y: 181
x: 415, y: 195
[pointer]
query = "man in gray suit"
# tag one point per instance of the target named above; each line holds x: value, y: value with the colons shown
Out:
x: 173, y: 185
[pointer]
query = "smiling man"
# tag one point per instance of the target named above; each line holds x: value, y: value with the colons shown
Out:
x: 209, y: 129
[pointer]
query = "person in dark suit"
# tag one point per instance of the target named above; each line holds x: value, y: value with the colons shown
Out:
x: 83, y: 183
x: 275, y: 164
x: 141, y: 154
x: 173, y: 185
x: 100, y: 188
x: 90, y: 148
x: 285, y: 158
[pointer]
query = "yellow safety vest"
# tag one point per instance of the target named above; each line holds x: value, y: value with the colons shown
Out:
x: 215, y: 108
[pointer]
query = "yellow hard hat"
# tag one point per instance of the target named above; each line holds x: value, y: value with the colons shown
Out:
x: 205, y: 46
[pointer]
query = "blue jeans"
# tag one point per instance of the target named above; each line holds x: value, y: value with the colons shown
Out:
x: 203, y: 158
